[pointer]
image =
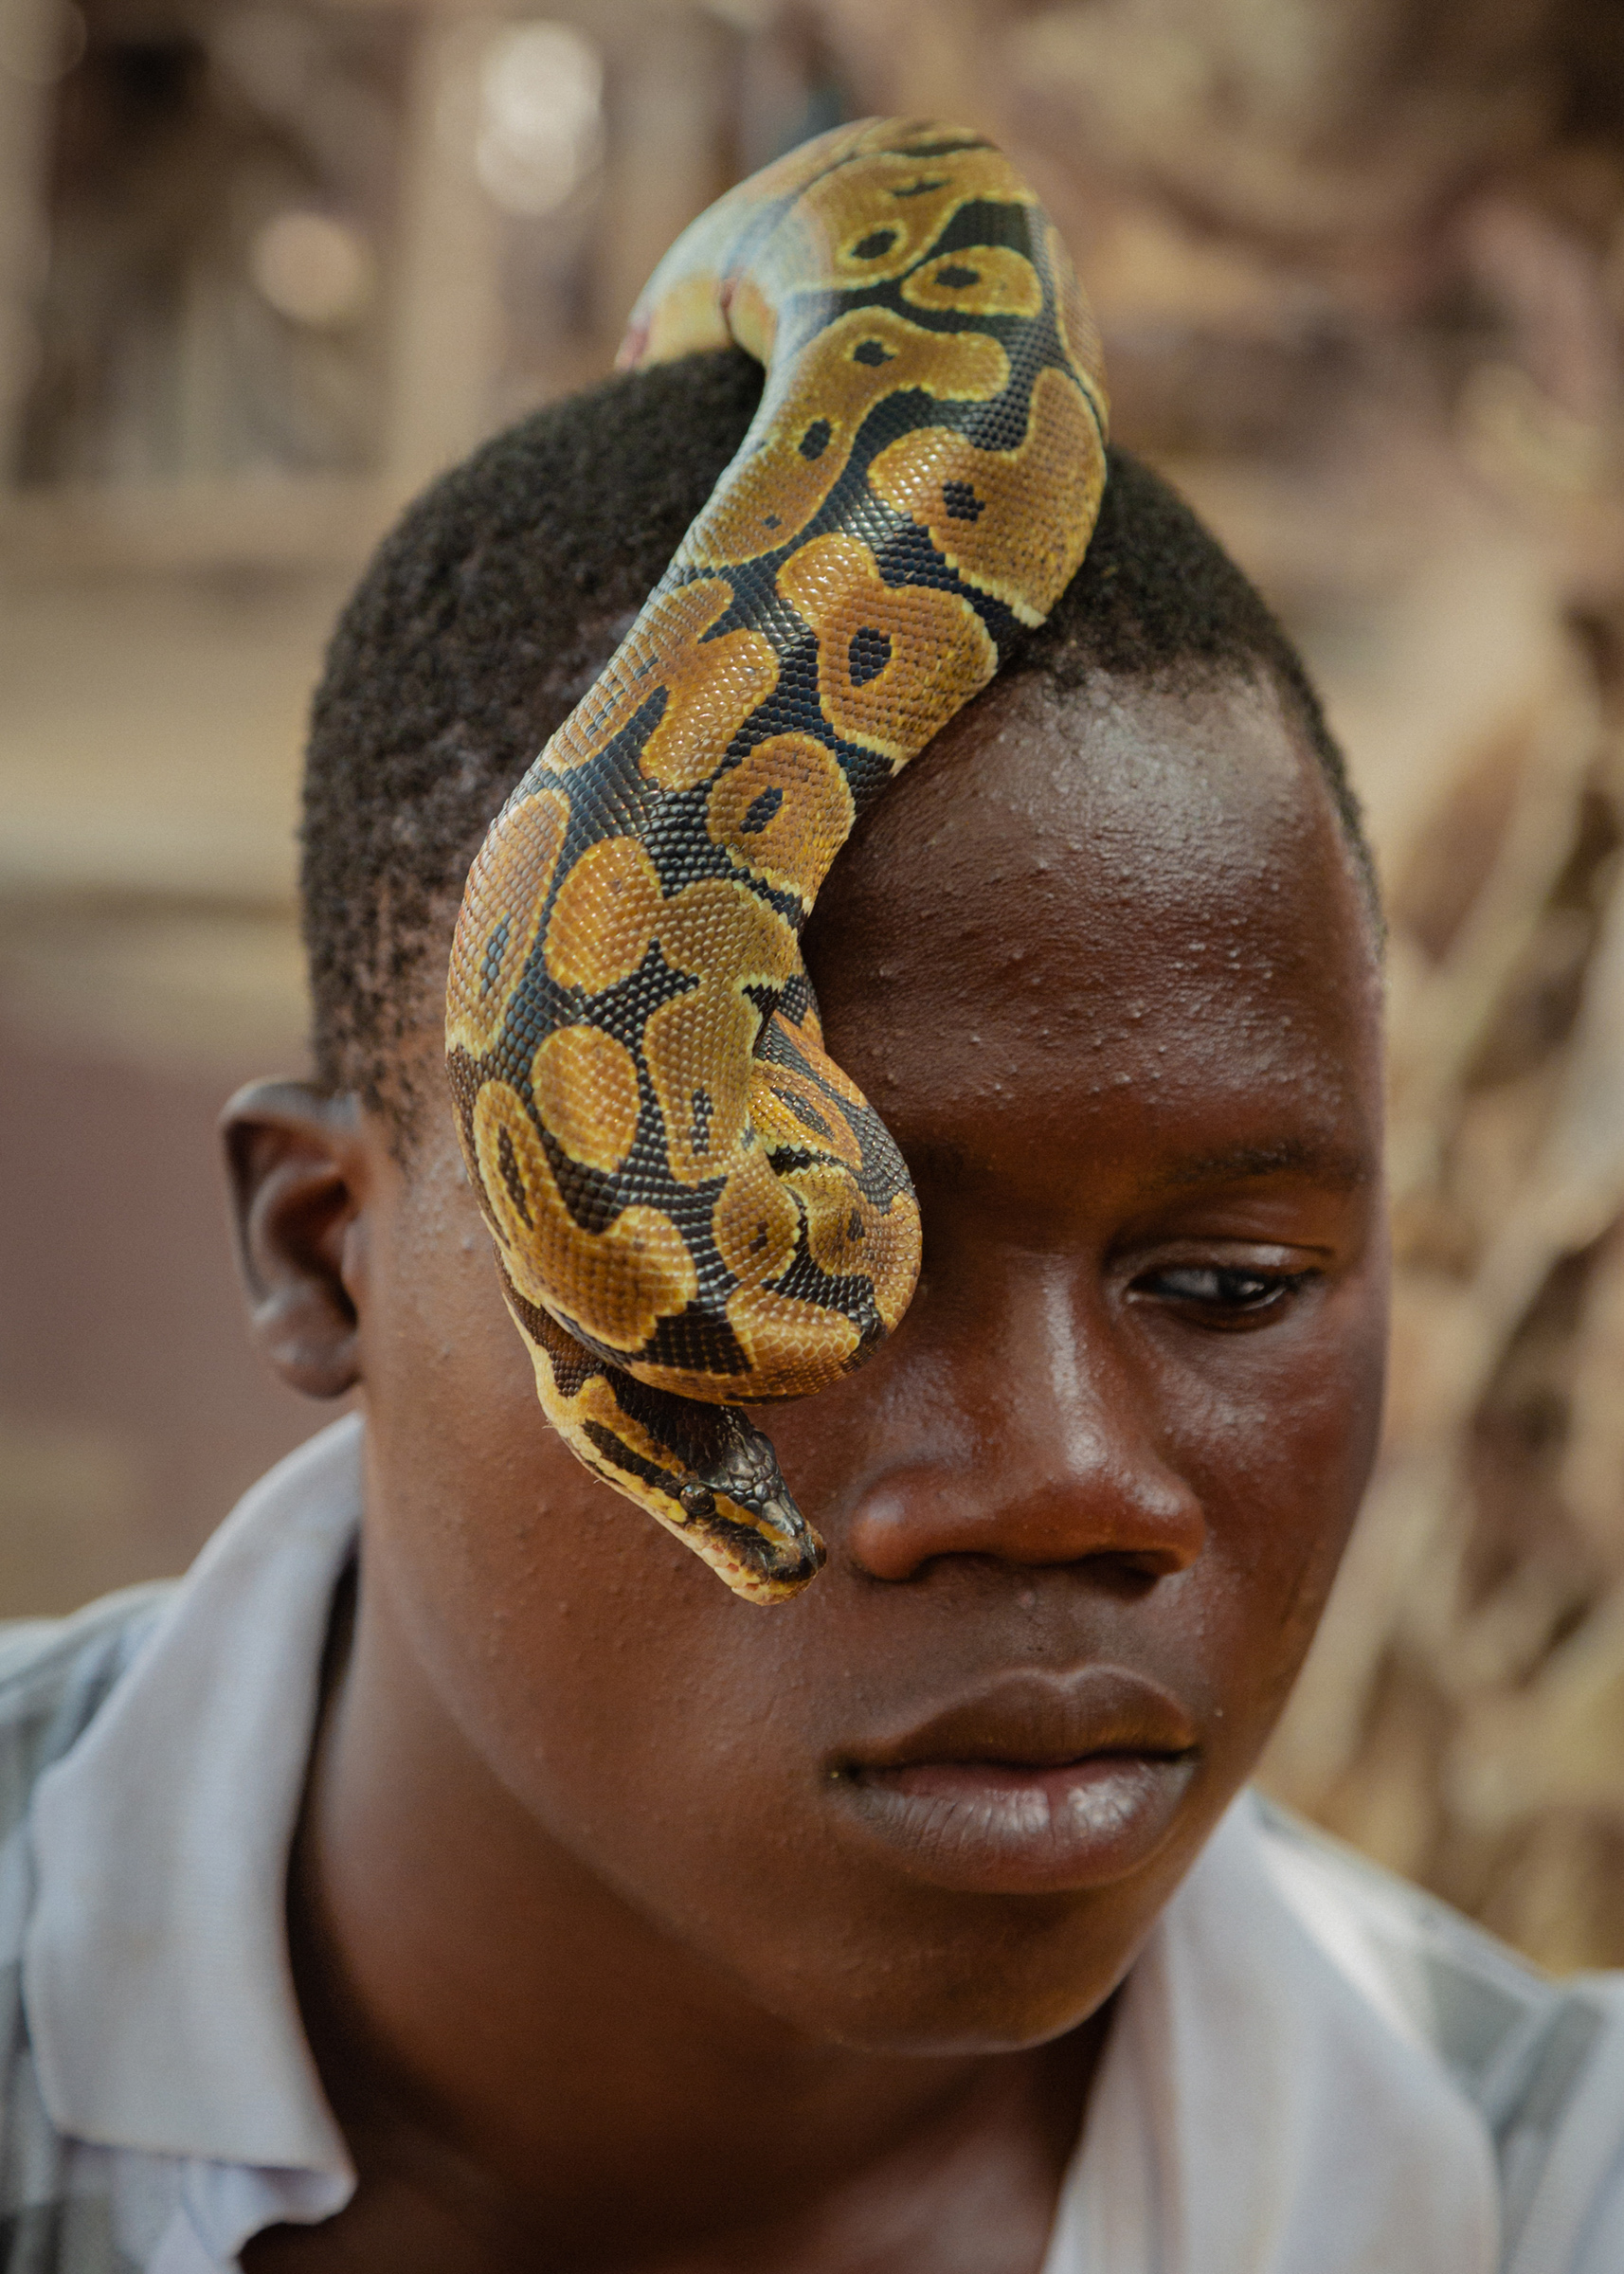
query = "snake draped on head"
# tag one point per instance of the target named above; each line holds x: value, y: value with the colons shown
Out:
x: 693, y: 1207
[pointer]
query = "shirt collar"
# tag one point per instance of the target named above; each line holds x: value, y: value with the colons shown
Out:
x: 155, y: 1971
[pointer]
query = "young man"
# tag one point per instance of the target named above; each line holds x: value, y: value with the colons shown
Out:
x: 450, y: 1877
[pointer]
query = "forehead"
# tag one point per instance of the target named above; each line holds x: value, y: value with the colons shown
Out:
x: 1115, y: 794
x: 1117, y: 886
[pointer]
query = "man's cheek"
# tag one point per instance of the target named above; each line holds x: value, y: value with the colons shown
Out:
x: 1290, y: 1496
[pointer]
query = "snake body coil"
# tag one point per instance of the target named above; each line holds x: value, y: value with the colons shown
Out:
x: 692, y: 1206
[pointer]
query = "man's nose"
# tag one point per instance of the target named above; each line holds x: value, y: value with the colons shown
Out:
x: 1068, y: 1461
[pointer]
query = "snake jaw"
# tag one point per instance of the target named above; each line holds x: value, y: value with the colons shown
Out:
x: 739, y: 1513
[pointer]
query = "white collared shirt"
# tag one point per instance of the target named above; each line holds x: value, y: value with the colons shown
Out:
x: 1313, y: 2069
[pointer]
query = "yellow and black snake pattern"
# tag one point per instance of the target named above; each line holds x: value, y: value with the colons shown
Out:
x: 692, y: 1206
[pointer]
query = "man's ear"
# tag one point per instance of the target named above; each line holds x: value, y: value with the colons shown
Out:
x: 296, y: 1164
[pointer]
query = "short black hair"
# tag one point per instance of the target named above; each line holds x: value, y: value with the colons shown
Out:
x: 493, y: 606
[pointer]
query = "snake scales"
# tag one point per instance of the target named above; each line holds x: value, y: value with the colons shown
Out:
x: 692, y: 1205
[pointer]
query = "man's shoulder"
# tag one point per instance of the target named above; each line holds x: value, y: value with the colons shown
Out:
x: 1434, y: 1974
x: 55, y: 1676
x: 153, y: 1748
x: 1542, y: 2061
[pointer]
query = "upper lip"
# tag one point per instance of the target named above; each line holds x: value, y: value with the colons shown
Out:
x: 1031, y: 1719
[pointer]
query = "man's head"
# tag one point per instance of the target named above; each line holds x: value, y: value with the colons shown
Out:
x: 1104, y: 958
x: 491, y: 610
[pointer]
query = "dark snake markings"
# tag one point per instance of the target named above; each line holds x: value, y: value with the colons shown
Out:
x: 692, y: 1206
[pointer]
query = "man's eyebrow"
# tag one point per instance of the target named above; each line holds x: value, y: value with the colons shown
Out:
x: 1327, y: 1163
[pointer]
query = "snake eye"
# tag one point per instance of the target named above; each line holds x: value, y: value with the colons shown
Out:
x: 697, y: 1502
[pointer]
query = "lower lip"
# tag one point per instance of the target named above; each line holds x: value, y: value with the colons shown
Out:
x: 999, y: 1828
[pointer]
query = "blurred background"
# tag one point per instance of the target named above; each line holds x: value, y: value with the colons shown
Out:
x: 265, y: 265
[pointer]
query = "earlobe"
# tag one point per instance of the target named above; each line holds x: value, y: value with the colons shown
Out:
x: 295, y: 1163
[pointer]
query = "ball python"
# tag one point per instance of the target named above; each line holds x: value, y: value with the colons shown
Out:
x: 692, y: 1206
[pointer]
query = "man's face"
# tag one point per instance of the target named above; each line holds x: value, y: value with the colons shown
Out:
x: 1102, y: 964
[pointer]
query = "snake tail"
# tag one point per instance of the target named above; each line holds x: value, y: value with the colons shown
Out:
x: 694, y: 1209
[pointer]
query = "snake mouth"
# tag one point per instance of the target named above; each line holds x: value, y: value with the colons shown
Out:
x: 794, y: 1551
x: 762, y: 1530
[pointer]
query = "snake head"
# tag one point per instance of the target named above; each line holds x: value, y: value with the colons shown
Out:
x: 739, y: 1513
x: 704, y: 1471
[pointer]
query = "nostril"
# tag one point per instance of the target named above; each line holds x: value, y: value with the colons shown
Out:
x: 1133, y: 1576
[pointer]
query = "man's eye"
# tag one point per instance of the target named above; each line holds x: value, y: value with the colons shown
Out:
x: 1227, y: 1291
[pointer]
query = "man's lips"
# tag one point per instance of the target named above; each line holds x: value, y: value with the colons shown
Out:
x: 1031, y: 1783
x: 1039, y: 1720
